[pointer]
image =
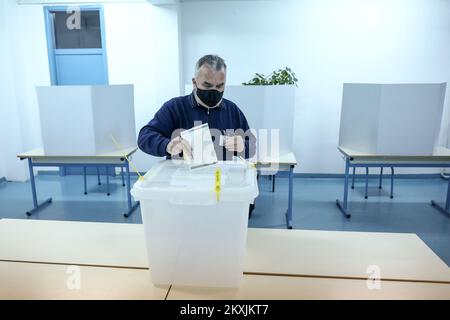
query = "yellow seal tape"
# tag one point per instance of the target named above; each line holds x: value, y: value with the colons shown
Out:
x: 217, y: 188
x: 124, y: 155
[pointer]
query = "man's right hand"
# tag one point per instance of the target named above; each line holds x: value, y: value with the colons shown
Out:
x: 178, y: 145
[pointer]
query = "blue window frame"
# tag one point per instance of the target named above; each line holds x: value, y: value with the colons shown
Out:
x: 77, y: 56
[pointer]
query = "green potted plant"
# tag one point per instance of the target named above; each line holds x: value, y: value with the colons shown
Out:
x: 269, y: 103
x: 278, y: 77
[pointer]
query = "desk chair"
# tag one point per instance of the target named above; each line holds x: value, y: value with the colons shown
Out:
x: 380, y: 184
x: 99, y: 181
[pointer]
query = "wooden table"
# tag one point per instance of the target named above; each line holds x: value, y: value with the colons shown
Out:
x: 20, y: 280
x: 337, y: 254
x: 355, y: 158
x: 285, y: 162
x: 255, y: 287
x: 38, y: 158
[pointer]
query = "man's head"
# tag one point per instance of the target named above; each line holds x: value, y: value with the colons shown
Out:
x: 209, y: 80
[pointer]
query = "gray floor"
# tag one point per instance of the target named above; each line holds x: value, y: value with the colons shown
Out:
x: 314, y: 205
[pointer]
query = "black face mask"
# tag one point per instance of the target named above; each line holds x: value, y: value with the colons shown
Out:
x: 209, y: 97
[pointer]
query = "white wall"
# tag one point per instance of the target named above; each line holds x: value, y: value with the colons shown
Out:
x: 326, y: 43
x: 142, y: 49
x: 2, y: 169
x: 26, y: 65
x: 14, y: 91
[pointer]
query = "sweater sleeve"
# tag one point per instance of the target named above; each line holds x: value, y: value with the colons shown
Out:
x: 155, y: 136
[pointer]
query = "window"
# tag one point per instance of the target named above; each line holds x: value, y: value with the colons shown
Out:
x: 76, y: 45
x: 87, y: 36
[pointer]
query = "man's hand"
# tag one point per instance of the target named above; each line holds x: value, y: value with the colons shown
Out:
x: 234, y: 143
x: 177, y: 145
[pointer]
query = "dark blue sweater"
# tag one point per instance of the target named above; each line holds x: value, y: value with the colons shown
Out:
x: 180, y: 113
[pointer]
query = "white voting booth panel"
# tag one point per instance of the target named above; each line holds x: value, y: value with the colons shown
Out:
x: 269, y: 108
x: 266, y: 108
x: 80, y: 120
x: 391, y: 119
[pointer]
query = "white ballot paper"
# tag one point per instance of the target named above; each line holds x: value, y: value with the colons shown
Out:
x: 202, y: 147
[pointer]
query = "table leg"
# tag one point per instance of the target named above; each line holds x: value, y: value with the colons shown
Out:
x: 36, y: 206
x: 131, y: 208
x: 291, y: 187
x: 353, y: 178
x: 107, y: 182
x: 85, y: 180
x: 381, y: 178
x: 367, y: 184
x: 123, y: 178
x: 447, y: 202
x: 98, y: 176
x: 392, y: 182
x: 343, y: 207
x: 273, y: 183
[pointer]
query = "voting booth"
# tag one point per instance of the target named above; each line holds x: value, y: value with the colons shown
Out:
x: 270, y: 111
x: 80, y: 120
x: 195, y: 221
x: 391, y: 119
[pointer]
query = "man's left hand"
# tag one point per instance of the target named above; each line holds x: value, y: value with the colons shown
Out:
x: 234, y: 143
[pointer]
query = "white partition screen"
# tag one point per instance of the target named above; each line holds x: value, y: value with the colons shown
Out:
x: 391, y: 119
x: 80, y: 120
x: 267, y: 109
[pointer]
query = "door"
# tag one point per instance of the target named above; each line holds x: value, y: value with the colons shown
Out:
x: 76, y: 51
x: 76, y: 45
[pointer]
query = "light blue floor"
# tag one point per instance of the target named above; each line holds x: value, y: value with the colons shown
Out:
x: 313, y: 208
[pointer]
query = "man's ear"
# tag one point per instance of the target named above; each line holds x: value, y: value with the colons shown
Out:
x: 193, y: 82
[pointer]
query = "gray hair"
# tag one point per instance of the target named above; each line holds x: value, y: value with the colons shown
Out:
x: 212, y: 60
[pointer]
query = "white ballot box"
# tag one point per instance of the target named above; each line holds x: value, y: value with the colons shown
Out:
x: 196, y: 233
x: 80, y: 120
x: 391, y: 119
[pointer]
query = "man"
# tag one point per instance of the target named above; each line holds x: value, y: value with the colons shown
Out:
x: 160, y: 137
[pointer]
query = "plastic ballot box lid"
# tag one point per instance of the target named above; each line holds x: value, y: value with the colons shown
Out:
x: 175, y: 181
x: 195, y: 221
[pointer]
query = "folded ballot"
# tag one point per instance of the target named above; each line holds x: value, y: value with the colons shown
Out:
x: 202, y: 147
